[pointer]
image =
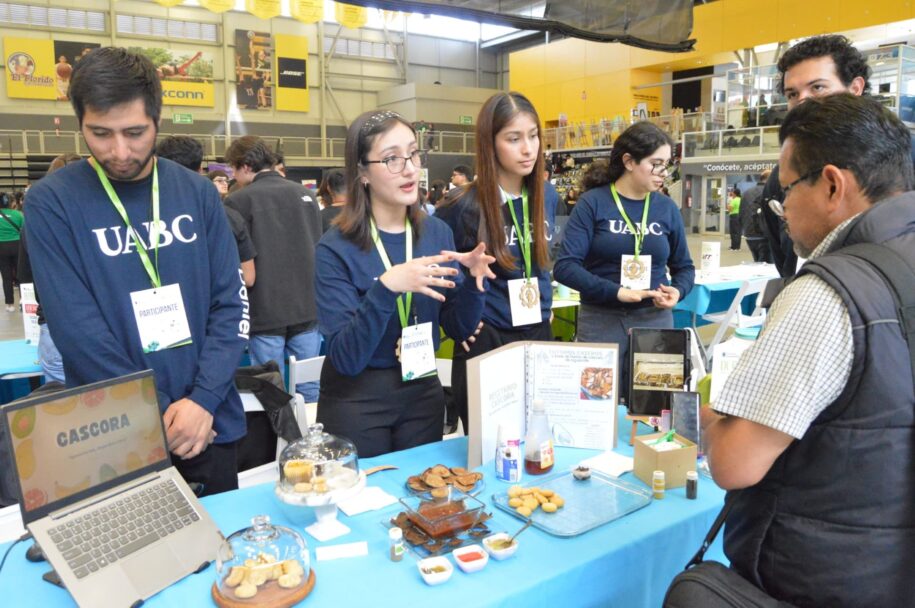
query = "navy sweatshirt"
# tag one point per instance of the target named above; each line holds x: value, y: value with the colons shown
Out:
x: 86, y: 266
x: 596, y: 237
x: 464, y: 218
x: 358, y: 315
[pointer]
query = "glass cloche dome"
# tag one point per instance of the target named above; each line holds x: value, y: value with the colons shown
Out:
x: 316, y: 467
x: 263, y: 565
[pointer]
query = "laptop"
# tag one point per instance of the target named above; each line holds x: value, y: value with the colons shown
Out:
x: 99, y: 495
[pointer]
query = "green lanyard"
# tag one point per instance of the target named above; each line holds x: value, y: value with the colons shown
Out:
x: 524, y: 237
x: 152, y: 271
x: 643, y: 227
x: 403, y: 301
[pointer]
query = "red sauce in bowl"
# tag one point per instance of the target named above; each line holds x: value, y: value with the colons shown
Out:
x: 470, y: 556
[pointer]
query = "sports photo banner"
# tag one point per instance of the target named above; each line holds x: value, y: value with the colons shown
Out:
x: 307, y: 11
x: 187, y: 78
x: 291, y: 73
x: 41, y: 69
x: 263, y: 9
x: 351, y: 16
x: 253, y: 70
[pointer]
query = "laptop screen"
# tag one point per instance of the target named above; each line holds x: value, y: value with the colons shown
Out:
x: 68, y: 444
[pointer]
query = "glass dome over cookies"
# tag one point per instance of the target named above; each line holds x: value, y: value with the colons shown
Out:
x: 262, y: 565
x: 317, y: 466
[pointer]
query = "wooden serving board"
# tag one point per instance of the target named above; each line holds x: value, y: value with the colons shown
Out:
x: 269, y: 595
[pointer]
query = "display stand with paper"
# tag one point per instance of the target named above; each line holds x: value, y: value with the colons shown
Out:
x: 29, y: 304
x: 576, y: 382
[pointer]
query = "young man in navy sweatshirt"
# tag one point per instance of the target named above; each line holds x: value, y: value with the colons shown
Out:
x: 137, y: 267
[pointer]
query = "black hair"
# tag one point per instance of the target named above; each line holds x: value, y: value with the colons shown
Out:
x: 111, y: 76
x: 850, y: 63
x: 853, y: 133
x: 437, y: 190
x: 638, y: 141
x: 279, y: 158
x: 736, y: 191
x: 250, y: 150
x: 336, y: 181
x: 465, y: 171
x: 183, y: 149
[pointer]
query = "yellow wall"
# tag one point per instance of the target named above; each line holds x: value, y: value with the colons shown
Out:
x: 555, y: 75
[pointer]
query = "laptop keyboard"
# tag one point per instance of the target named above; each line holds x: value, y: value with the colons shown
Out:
x: 99, y: 538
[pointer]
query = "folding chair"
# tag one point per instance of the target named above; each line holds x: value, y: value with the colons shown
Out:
x: 733, y: 317
x: 306, y: 370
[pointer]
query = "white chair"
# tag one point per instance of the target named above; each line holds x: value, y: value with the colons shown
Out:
x: 733, y: 317
x: 306, y: 370
x: 11, y: 526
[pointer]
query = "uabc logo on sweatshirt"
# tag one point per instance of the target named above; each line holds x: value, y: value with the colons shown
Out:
x: 123, y: 240
x: 620, y: 227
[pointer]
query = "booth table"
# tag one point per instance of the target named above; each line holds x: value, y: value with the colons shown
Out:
x: 18, y: 359
x: 627, y: 563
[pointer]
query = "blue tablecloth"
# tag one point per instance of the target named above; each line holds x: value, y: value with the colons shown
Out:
x: 17, y: 357
x: 626, y: 563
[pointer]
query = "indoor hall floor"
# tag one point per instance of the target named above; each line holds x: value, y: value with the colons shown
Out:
x: 11, y: 322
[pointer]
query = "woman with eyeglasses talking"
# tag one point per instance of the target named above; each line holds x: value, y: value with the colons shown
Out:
x: 386, y: 279
x: 622, y: 239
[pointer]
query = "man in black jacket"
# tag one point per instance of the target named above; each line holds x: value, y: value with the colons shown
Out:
x: 751, y: 220
x: 284, y: 222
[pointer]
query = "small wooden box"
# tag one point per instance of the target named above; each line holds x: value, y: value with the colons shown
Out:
x: 674, y: 463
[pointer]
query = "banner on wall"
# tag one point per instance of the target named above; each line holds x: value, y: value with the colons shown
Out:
x: 263, y: 9
x: 41, y: 69
x: 253, y: 70
x: 169, y: 3
x: 187, y: 78
x: 351, y: 16
x: 307, y: 11
x: 217, y: 6
x: 291, y: 73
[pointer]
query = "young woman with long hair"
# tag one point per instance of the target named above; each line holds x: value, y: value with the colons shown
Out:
x: 505, y: 208
x: 386, y: 279
x: 622, y: 239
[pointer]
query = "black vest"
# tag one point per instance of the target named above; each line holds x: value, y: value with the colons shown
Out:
x: 833, y: 521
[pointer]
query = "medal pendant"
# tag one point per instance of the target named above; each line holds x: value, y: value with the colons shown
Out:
x: 397, y: 349
x: 633, y: 269
x: 528, y: 295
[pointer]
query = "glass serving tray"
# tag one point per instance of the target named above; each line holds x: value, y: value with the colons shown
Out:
x: 588, y: 504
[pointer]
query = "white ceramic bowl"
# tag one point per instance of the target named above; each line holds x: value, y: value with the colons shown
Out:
x: 471, y: 566
x: 435, y: 578
x: 500, y: 554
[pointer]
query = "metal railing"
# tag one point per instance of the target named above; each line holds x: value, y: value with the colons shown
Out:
x: 214, y: 146
x: 604, y: 133
x: 730, y: 142
x: 62, y: 142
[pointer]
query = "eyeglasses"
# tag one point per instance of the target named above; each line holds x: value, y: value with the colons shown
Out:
x: 659, y: 166
x: 777, y: 207
x: 396, y: 164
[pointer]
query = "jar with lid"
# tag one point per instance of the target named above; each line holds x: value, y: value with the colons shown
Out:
x: 263, y: 565
x: 538, y: 443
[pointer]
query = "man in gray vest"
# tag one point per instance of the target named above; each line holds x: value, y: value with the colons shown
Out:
x: 814, y: 431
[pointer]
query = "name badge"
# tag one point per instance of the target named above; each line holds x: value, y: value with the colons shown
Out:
x: 161, y: 318
x: 524, y: 296
x: 636, y: 273
x: 417, y: 355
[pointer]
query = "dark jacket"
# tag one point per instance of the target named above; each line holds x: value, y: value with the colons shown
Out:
x: 284, y: 222
x: 832, y: 523
x: 751, y: 220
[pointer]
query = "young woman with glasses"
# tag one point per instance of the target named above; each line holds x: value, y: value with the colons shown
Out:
x: 386, y: 279
x: 622, y: 239
x: 504, y: 207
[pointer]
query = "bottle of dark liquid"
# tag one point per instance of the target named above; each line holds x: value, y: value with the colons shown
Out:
x: 538, y: 444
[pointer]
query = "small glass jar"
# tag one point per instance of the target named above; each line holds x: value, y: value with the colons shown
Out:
x: 263, y: 564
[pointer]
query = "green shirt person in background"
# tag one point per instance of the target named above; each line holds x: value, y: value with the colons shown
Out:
x: 733, y: 208
x: 10, y: 227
